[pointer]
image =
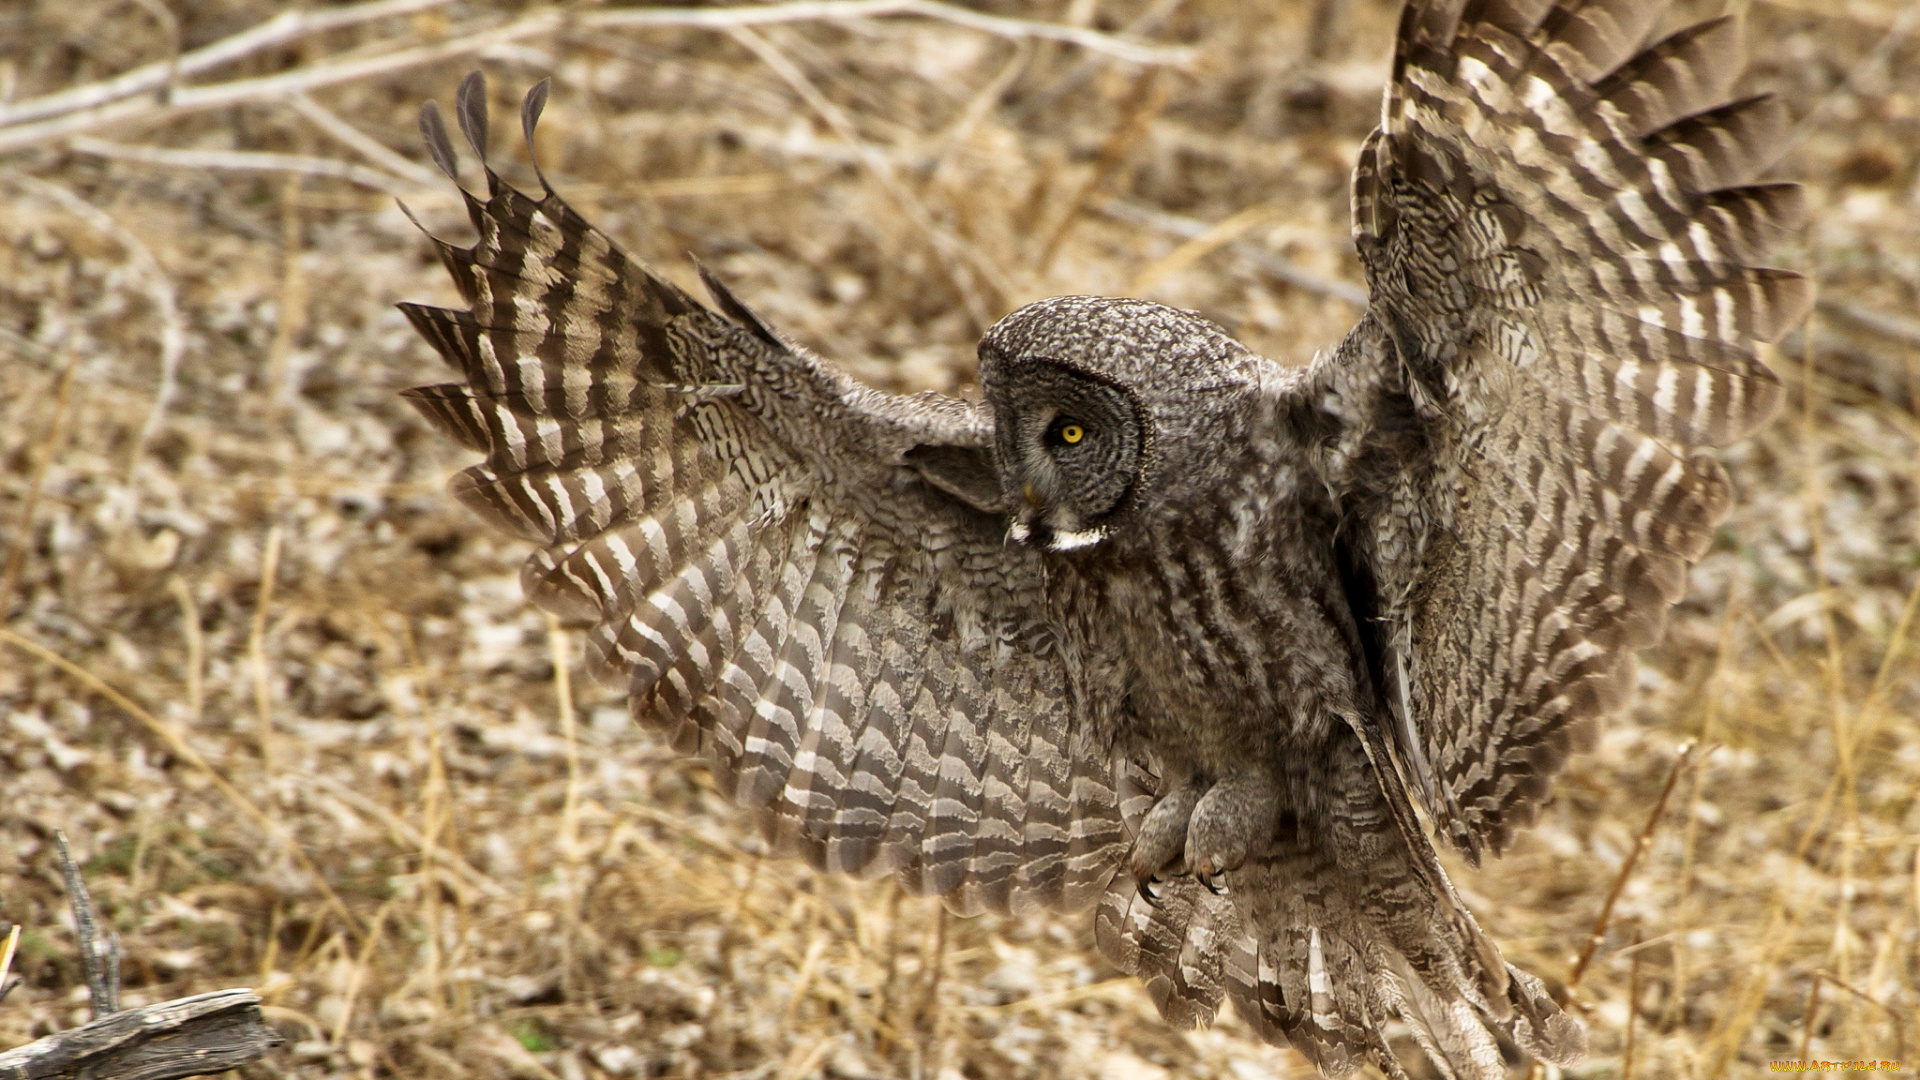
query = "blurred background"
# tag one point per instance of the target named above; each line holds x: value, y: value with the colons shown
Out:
x: 287, y: 700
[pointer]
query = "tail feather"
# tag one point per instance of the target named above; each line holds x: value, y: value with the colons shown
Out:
x: 1344, y: 926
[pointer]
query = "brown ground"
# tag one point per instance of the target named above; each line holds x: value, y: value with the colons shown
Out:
x: 286, y: 697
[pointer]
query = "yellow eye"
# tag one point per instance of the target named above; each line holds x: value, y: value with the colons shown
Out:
x: 1072, y: 433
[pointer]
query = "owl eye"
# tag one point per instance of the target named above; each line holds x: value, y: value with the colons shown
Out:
x: 1065, y: 432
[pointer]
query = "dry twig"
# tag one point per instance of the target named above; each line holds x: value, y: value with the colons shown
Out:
x: 1899, y: 328
x: 957, y: 250
x: 246, y: 161
x: 282, y: 28
x: 1189, y: 228
x: 1893, y: 1012
x: 99, y: 958
x: 1640, y: 846
x: 1142, y: 105
x: 192, y: 1036
x: 1199, y: 247
x: 363, y: 144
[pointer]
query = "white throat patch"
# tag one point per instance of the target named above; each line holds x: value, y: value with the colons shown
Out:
x: 1073, y: 541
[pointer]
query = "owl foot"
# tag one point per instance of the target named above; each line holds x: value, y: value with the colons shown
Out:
x: 1234, y: 819
x: 1161, y: 846
x: 1205, y: 828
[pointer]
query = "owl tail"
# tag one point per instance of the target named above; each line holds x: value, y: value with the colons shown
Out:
x: 1331, y: 972
x: 1330, y: 943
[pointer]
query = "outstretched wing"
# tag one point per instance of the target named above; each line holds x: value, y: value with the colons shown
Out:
x: 1564, y: 233
x: 797, y: 574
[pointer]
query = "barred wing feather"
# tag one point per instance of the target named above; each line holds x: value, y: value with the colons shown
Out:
x: 736, y: 524
x: 1563, y: 229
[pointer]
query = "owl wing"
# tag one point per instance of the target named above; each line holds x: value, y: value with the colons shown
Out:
x: 800, y: 576
x: 1563, y: 233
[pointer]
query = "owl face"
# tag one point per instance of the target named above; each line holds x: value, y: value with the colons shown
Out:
x: 1069, y: 449
x: 1103, y: 406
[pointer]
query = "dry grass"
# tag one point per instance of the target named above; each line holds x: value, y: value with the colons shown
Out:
x: 288, y: 701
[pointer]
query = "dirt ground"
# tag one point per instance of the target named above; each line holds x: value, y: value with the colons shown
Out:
x: 286, y: 699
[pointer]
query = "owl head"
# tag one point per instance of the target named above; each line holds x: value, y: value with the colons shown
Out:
x: 1102, y: 407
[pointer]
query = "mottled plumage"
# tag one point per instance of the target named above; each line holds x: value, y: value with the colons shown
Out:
x: 1161, y: 626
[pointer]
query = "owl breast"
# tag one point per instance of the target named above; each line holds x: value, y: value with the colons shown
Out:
x: 1230, y: 606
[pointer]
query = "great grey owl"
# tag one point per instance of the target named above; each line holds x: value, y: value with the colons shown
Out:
x: 1161, y: 627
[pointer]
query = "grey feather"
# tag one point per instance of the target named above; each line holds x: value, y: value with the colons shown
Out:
x: 470, y: 105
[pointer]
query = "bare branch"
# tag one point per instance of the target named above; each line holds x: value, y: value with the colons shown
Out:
x: 1129, y: 49
x: 94, y: 106
x: 273, y: 87
x: 361, y: 143
x: 246, y: 161
x: 282, y: 28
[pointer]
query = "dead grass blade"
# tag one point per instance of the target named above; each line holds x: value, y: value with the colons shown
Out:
x: 1640, y: 845
x: 257, y: 650
x: 958, y: 253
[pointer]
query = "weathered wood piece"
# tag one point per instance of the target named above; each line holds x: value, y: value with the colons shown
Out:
x: 189, y: 1036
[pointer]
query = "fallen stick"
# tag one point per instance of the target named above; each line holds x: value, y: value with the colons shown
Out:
x: 189, y: 1036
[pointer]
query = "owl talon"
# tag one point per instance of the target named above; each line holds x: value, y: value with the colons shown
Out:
x: 1211, y: 881
x: 1158, y: 850
x: 1146, y: 890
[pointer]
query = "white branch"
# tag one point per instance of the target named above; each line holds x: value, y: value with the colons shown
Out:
x: 96, y: 105
x: 360, y: 142
x: 1121, y: 48
x: 247, y: 161
x: 156, y: 76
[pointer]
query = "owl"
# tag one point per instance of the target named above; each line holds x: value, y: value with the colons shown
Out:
x: 1161, y: 628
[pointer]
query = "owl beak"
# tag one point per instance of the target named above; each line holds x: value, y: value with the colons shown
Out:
x: 1020, y: 529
